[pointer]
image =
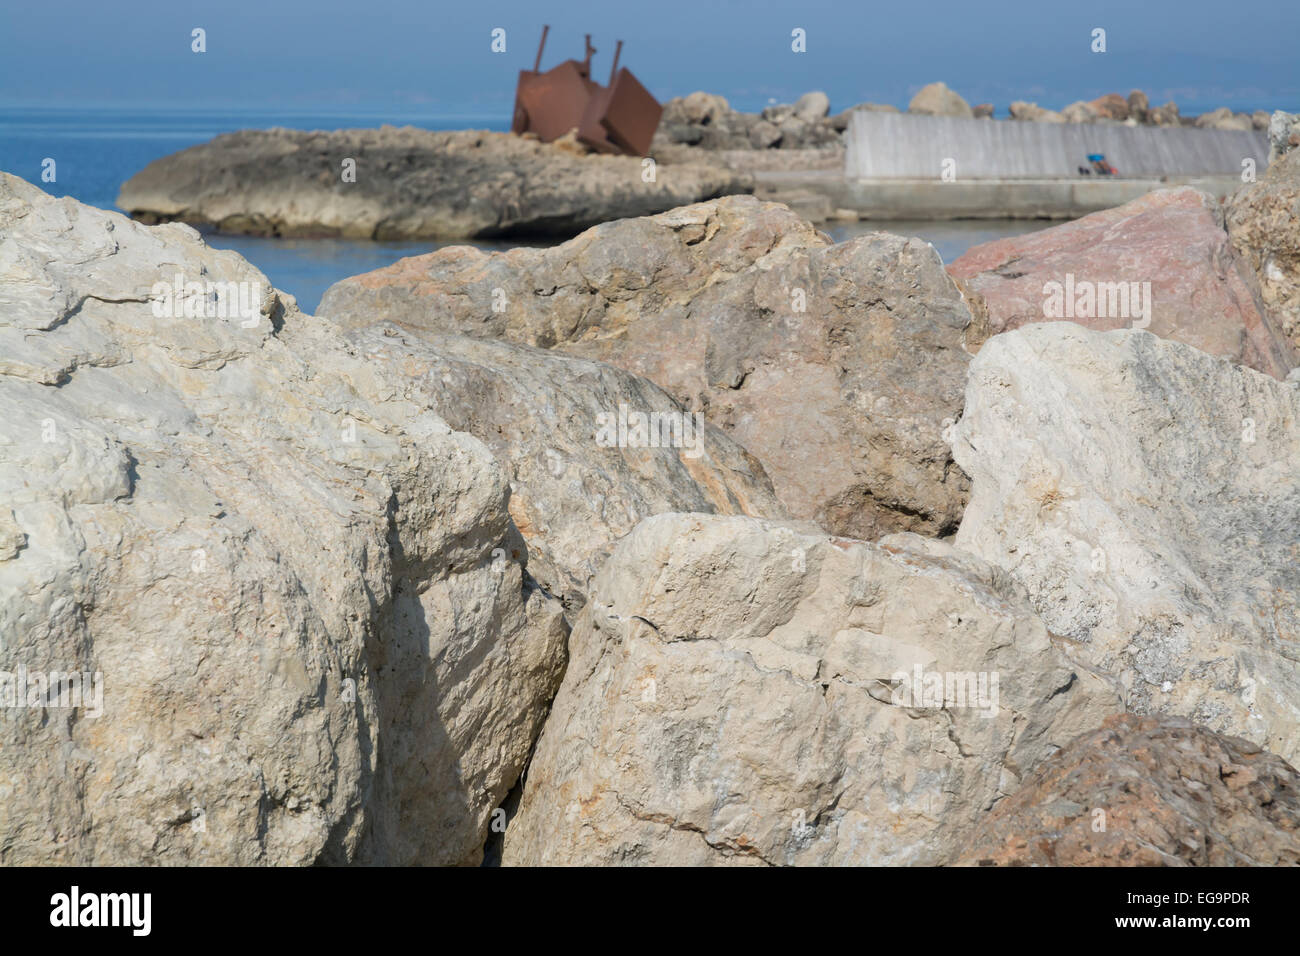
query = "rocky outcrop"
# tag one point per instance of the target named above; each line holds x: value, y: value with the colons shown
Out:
x: 837, y: 366
x: 1146, y: 496
x: 1032, y: 112
x: 1148, y: 792
x: 296, y: 598
x: 812, y: 106
x: 1161, y: 262
x: 588, y: 449
x: 840, y: 121
x: 1135, y: 109
x: 707, y: 121
x: 937, y: 100
x: 1139, y: 107
x: 747, y: 693
x: 1283, y: 134
x: 1166, y: 115
x: 1263, y: 220
x: 408, y: 183
x: 1111, y: 106
x: 1224, y: 118
x: 1080, y: 112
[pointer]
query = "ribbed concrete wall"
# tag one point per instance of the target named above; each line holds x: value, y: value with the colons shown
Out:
x: 902, y: 146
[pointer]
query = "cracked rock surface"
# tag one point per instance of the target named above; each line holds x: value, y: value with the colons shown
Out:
x: 1147, y: 791
x: 1147, y: 496
x: 286, y: 581
x: 550, y: 419
x: 839, y: 366
x: 732, y: 697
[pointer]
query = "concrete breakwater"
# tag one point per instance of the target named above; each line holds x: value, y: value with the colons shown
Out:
x: 823, y: 195
x: 902, y: 166
x: 895, y: 146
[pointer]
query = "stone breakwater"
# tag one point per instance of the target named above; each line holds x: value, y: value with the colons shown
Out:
x: 407, y: 183
x: 923, y: 582
x: 707, y: 121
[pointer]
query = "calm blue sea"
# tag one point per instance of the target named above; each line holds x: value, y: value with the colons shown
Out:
x: 96, y: 151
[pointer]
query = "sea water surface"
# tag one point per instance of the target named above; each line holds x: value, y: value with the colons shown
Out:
x: 96, y: 151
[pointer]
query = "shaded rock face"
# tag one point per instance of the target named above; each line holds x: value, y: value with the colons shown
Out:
x: 553, y: 423
x: 1263, y: 220
x: 307, y: 653
x: 1147, y: 497
x: 740, y: 693
x: 409, y: 184
x: 1167, y: 250
x: 937, y: 100
x: 707, y: 121
x: 837, y: 366
x: 1143, y: 791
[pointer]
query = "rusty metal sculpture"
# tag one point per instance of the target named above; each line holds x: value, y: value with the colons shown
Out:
x: 619, y: 118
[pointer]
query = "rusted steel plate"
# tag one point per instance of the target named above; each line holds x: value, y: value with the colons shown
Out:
x: 619, y: 118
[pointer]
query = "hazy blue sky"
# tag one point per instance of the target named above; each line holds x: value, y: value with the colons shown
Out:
x: 431, y: 56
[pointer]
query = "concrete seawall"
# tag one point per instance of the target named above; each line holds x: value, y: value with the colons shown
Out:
x: 902, y: 146
x: 900, y: 166
x: 824, y: 195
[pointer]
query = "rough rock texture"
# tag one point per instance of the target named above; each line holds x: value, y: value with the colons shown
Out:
x: 1283, y: 134
x: 1263, y: 220
x: 707, y: 121
x: 286, y: 582
x: 937, y: 100
x: 845, y: 403
x: 409, y: 184
x: 1202, y: 292
x: 1148, y: 792
x: 572, y: 494
x: 732, y: 699
x: 1147, y: 496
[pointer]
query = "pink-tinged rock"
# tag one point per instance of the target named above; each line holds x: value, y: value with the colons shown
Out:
x: 1169, y: 248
